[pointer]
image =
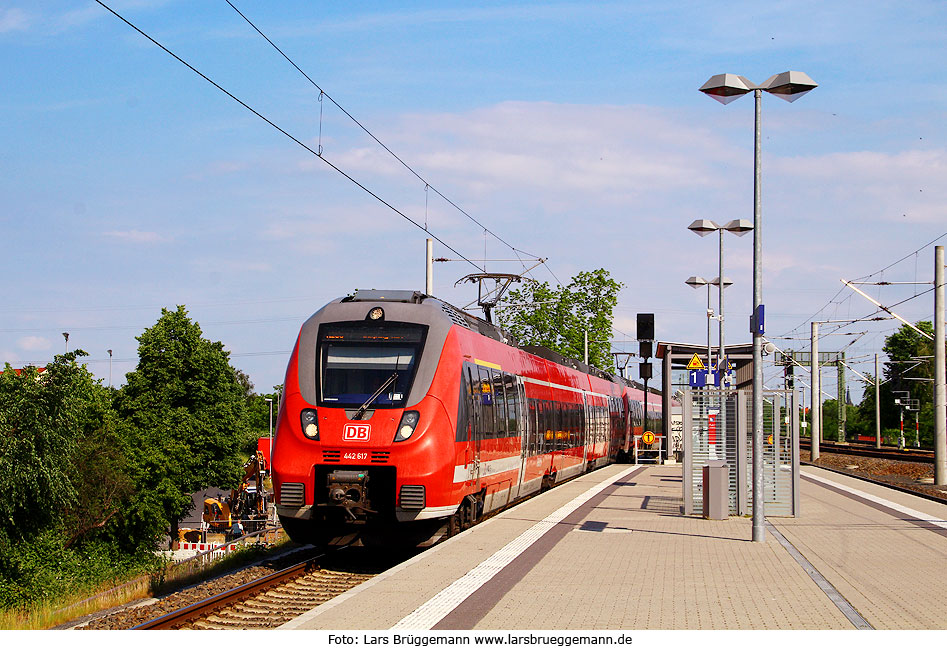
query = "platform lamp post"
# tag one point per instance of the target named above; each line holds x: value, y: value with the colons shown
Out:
x: 725, y: 88
x: 270, y: 401
x: 703, y: 227
x: 695, y: 282
x: 699, y: 281
x: 940, y: 372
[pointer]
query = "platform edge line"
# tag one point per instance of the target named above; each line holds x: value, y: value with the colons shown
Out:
x: 428, y: 614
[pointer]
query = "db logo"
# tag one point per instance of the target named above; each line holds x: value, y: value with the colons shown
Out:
x: 356, y: 432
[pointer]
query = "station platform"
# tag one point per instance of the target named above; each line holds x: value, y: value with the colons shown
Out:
x: 612, y: 550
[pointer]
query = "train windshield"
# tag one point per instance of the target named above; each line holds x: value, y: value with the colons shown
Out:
x: 358, y: 360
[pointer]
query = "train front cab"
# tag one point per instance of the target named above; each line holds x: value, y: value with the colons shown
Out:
x: 359, y: 442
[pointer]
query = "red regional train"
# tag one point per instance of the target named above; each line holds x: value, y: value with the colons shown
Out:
x: 404, y: 418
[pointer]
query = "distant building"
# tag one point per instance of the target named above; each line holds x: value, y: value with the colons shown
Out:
x: 19, y: 371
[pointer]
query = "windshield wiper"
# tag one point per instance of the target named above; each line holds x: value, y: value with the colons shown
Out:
x: 361, y: 410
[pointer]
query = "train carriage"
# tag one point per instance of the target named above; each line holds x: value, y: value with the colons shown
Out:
x: 404, y: 415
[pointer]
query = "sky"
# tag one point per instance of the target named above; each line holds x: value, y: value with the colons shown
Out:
x: 572, y: 132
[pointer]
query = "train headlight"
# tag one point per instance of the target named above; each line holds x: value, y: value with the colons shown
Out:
x: 309, y: 421
x: 409, y: 420
x: 376, y: 314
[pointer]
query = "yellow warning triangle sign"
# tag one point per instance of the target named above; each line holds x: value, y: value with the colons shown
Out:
x: 695, y: 364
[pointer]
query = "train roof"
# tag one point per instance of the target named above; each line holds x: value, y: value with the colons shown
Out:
x: 469, y: 321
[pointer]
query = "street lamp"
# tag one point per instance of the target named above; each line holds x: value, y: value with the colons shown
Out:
x: 738, y: 227
x: 270, y: 401
x: 110, y: 366
x: 66, y: 336
x: 699, y: 281
x: 790, y: 85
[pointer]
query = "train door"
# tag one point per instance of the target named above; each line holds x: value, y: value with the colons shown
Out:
x: 485, y: 443
x: 586, y: 431
x: 523, y: 427
x: 472, y: 377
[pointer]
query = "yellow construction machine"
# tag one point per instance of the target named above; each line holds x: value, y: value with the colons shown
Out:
x: 245, y: 510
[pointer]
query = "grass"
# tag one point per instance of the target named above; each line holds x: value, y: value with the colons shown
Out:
x: 171, y: 577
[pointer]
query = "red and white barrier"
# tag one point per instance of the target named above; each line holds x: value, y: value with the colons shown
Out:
x: 205, y: 547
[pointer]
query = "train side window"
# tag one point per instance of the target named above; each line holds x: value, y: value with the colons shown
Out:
x: 535, y: 413
x: 475, y: 406
x: 557, y: 423
x: 545, y: 426
x: 533, y: 416
x: 540, y: 426
x: 549, y: 411
x: 463, y: 413
x: 509, y: 388
x: 567, y: 425
x: 520, y: 407
x: 488, y: 402
x: 499, y: 404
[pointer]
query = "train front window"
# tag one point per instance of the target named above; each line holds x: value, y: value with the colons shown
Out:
x: 358, y: 359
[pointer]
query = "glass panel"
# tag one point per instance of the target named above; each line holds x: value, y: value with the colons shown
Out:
x: 357, y: 360
x: 351, y: 374
x: 488, y: 404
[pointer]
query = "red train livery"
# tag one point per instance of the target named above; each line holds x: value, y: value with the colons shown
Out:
x: 405, y: 418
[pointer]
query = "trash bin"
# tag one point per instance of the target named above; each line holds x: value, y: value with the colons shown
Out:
x: 716, y: 490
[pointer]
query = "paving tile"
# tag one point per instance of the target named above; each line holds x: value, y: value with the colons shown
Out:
x: 633, y: 561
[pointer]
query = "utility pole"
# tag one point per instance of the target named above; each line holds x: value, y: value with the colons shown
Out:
x: 816, y: 401
x: 940, y: 383
x: 842, y: 407
x: 877, y: 406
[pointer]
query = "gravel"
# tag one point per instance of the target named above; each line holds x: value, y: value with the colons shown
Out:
x: 356, y: 560
x: 900, y: 474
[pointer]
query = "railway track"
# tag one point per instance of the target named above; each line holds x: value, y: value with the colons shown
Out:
x: 868, y: 450
x: 908, y: 471
x: 263, y: 603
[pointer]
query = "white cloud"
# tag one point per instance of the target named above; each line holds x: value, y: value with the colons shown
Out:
x: 561, y: 155
x: 869, y: 186
x: 34, y: 343
x: 137, y: 237
x: 13, y: 20
x: 78, y: 18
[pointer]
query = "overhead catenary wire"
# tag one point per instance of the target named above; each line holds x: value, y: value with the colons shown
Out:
x: 427, y: 184
x: 875, y: 273
x: 283, y: 131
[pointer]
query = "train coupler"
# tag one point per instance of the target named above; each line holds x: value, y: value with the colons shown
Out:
x: 348, y: 489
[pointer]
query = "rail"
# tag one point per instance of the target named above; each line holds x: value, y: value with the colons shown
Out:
x: 141, y: 584
x: 211, y: 604
x: 885, y: 452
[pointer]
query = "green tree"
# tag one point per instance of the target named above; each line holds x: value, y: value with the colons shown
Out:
x: 64, y: 479
x: 910, y: 355
x: 60, y: 463
x: 558, y: 318
x: 258, y: 411
x: 183, y: 409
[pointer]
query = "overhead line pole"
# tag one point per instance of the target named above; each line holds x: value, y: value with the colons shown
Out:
x: 816, y: 402
x: 940, y: 382
x: 877, y: 406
